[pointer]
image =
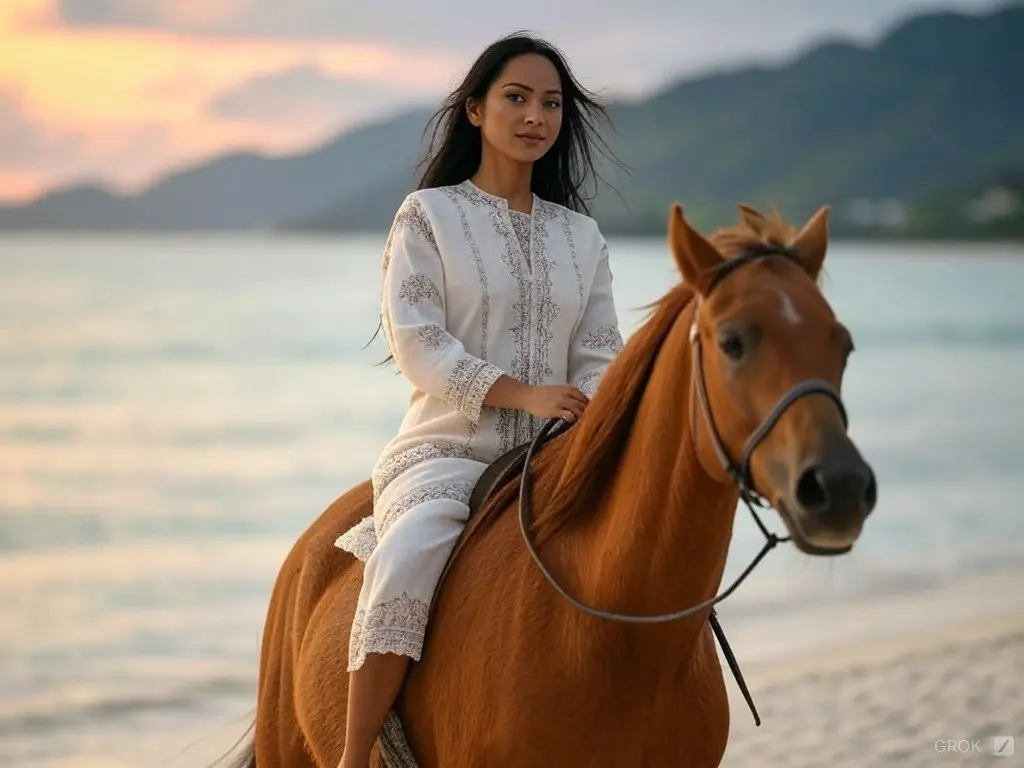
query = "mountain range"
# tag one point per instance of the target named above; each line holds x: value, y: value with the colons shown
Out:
x: 933, y: 111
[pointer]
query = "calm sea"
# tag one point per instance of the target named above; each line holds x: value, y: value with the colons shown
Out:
x: 173, y: 412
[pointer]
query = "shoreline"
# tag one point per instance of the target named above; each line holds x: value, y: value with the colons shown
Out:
x: 872, y: 623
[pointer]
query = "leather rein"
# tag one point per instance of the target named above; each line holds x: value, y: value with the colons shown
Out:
x: 739, y: 472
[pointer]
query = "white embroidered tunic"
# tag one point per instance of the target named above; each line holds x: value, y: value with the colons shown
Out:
x: 472, y: 290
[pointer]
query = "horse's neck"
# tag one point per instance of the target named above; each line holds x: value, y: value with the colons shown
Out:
x: 659, y: 541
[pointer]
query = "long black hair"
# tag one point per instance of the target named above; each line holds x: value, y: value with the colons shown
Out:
x: 566, y: 170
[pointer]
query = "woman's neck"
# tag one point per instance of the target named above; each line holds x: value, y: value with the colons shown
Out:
x: 505, y: 178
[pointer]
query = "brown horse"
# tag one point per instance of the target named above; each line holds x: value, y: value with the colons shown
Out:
x: 634, y: 512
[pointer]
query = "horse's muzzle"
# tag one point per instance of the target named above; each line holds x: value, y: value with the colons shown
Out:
x: 830, y: 496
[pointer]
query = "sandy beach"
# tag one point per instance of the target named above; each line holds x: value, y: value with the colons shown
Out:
x: 939, y: 695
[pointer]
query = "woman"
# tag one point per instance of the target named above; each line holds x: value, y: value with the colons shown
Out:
x: 497, y: 307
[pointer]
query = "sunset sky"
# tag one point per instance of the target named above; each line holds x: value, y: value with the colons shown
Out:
x: 121, y: 90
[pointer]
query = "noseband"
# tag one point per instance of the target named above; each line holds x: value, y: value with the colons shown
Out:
x: 739, y: 472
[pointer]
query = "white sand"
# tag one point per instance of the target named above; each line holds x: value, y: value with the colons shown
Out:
x: 880, y: 683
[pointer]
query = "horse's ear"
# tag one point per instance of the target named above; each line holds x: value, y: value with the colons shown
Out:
x: 751, y: 218
x: 694, y: 255
x: 812, y: 242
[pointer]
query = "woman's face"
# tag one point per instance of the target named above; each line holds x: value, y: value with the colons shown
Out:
x: 522, y: 113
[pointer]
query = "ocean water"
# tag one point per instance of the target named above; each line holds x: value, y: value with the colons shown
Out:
x: 174, y: 412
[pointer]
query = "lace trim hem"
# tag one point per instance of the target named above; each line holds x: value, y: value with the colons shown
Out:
x: 396, y: 626
x: 403, y: 642
x: 360, y: 540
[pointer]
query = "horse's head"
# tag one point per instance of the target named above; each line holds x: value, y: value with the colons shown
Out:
x: 770, y: 356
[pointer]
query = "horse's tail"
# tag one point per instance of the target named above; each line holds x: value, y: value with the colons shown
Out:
x: 246, y: 758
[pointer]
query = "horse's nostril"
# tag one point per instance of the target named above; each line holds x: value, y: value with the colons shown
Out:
x: 811, y: 491
x: 870, y: 491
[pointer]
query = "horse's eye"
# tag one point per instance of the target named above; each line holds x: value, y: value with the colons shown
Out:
x: 731, y: 344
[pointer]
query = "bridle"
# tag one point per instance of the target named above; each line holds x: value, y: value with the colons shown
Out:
x: 739, y: 472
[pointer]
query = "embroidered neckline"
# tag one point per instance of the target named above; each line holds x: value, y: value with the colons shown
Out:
x: 468, y: 183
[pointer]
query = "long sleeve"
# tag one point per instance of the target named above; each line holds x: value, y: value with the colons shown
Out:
x: 597, y: 339
x: 414, y: 318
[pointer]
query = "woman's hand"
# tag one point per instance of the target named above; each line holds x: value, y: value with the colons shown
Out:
x: 548, y: 401
x: 555, y: 401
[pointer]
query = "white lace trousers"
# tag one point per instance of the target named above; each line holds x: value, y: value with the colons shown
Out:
x: 417, y: 520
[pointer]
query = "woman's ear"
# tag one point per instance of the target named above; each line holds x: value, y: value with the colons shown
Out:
x: 475, y: 111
